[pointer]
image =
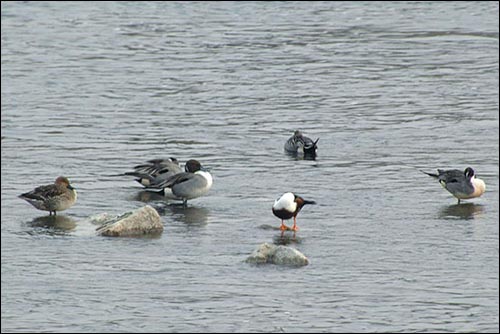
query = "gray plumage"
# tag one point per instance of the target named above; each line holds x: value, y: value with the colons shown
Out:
x: 155, y: 171
x: 299, y: 143
x: 461, y: 184
x: 192, y: 183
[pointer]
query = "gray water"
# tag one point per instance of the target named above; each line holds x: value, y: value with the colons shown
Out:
x: 90, y: 89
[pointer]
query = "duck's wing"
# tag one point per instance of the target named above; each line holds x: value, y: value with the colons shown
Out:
x: 293, y: 143
x: 155, y: 171
x: 173, y: 180
x: 43, y: 193
x: 446, y: 175
x: 309, y: 143
x: 156, y: 166
x: 451, y: 176
x: 192, y: 186
x: 456, y: 182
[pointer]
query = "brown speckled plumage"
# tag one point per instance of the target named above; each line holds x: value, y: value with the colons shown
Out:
x: 53, y: 197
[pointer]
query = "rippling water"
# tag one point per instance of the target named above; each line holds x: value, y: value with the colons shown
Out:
x: 91, y: 89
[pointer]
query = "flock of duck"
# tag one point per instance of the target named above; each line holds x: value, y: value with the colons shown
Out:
x: 165, y: 176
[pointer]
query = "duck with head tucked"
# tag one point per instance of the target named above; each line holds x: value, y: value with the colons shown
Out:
x: 287, y: 206
x: 461, y: 184
x: 53, y: 197
x: 196, y: 181
x: 300, y: 144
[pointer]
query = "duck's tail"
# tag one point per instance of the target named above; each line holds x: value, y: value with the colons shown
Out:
x: 142, y: 178
x: 430, y: 174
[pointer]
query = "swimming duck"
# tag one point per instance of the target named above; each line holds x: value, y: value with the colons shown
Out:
x: 299, y: 143
x: 287, y: 206
x: 53, y: 197
x: 462, y: 185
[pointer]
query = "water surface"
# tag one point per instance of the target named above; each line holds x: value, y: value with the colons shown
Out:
x: 91, y: 89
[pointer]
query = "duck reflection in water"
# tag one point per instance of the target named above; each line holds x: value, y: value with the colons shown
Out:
x: 186, y: 214
x: 190, y: 215
x: 286, y: 238
x: 54, y: 224
x: 462, y: 211
x: 148, y: 196
x: 304, y: 156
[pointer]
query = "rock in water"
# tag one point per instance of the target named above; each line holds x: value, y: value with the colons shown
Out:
x: 261, y: 254
x: 143, y: 221
x: 288, y: 256
x: 280, y: 255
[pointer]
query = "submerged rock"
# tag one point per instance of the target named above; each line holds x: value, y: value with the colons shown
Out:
x: 281, y: 255
x: 143, y: 221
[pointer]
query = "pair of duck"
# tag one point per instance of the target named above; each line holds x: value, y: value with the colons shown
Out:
x: 288, y: 205
x: 165, y: 175
x: 462, y: 185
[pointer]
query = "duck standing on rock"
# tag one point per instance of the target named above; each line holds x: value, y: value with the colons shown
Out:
x: 288, y: 206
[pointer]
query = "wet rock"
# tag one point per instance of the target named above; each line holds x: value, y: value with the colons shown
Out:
x: 285, y: 255
x: 280, y: 255
x: 143, y: 221
x: 261, y: 254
